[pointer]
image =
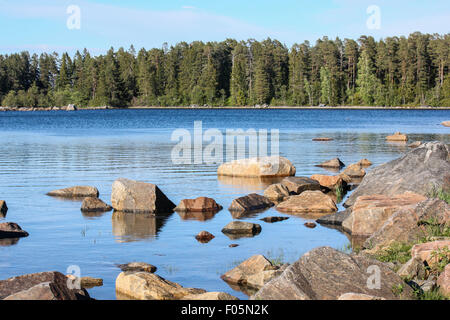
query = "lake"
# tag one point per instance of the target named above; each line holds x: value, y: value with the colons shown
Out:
x: 43, y: 151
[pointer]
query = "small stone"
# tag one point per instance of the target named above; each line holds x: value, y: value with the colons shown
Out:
x: 323, y: 139
x: 274, y: 219
x: 310, y: 225
x: 234, y: 245
x: 204, y: 237
x: 415, y: 144
x: 276, y: 192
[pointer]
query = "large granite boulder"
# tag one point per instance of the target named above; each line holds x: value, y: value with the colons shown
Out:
x: 40, y: 286
x: 11, y: 230
x: 75, y: 192
x: 201, y: 204
x: 326, y: 274
x: 250, y: 203
x: 258, y: 167
x: 369, y: 213
x: 297, y: 185
x: 410, y: 224
x: 417, y: 171
x: 309, y: 202
x: 149, y: 286
x: 139, y: 197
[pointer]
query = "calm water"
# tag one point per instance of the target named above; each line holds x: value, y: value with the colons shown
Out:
x: 42, y: 151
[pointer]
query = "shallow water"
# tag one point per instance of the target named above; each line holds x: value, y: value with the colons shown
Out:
x: 43, y: 151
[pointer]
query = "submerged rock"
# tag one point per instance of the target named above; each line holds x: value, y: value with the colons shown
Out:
x: 258, y: 167
x: 75, y: 192
x: 139, y: 197
x: 11, y: 230
x: 446, y: 123
x: 326, y: 274
x: 309, y: 202
x: 322, y: 139
x: 335, y: 219
x: 40, y: 286
x: 418, y: 171
x: 94, y: 205
x: 297, y: 185
x: 274, y: 219
x: 138, y: 267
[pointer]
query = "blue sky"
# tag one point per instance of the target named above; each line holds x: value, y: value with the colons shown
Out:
x: 42, y: 25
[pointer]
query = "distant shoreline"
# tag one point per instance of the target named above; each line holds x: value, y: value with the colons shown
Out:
x: 27, y: 109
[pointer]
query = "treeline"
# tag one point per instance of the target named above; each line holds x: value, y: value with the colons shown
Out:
x: 395, y: 71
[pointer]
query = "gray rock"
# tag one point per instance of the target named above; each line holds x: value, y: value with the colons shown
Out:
x: 417, y: 171
x: 326, y: 274
x: 40, y: 286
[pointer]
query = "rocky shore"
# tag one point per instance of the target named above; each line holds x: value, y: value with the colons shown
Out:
x: 397, y: 219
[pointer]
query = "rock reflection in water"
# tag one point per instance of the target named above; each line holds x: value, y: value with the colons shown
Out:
x: 130, y: 227
x: 195, y: 215
x: 9, y: 242
x: 249, y: 184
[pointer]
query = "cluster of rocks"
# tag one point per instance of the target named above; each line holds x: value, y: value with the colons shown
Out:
x: 88, y: 194
x: 70, y: 107
x: 138, y: 281
x: 392, y: 206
